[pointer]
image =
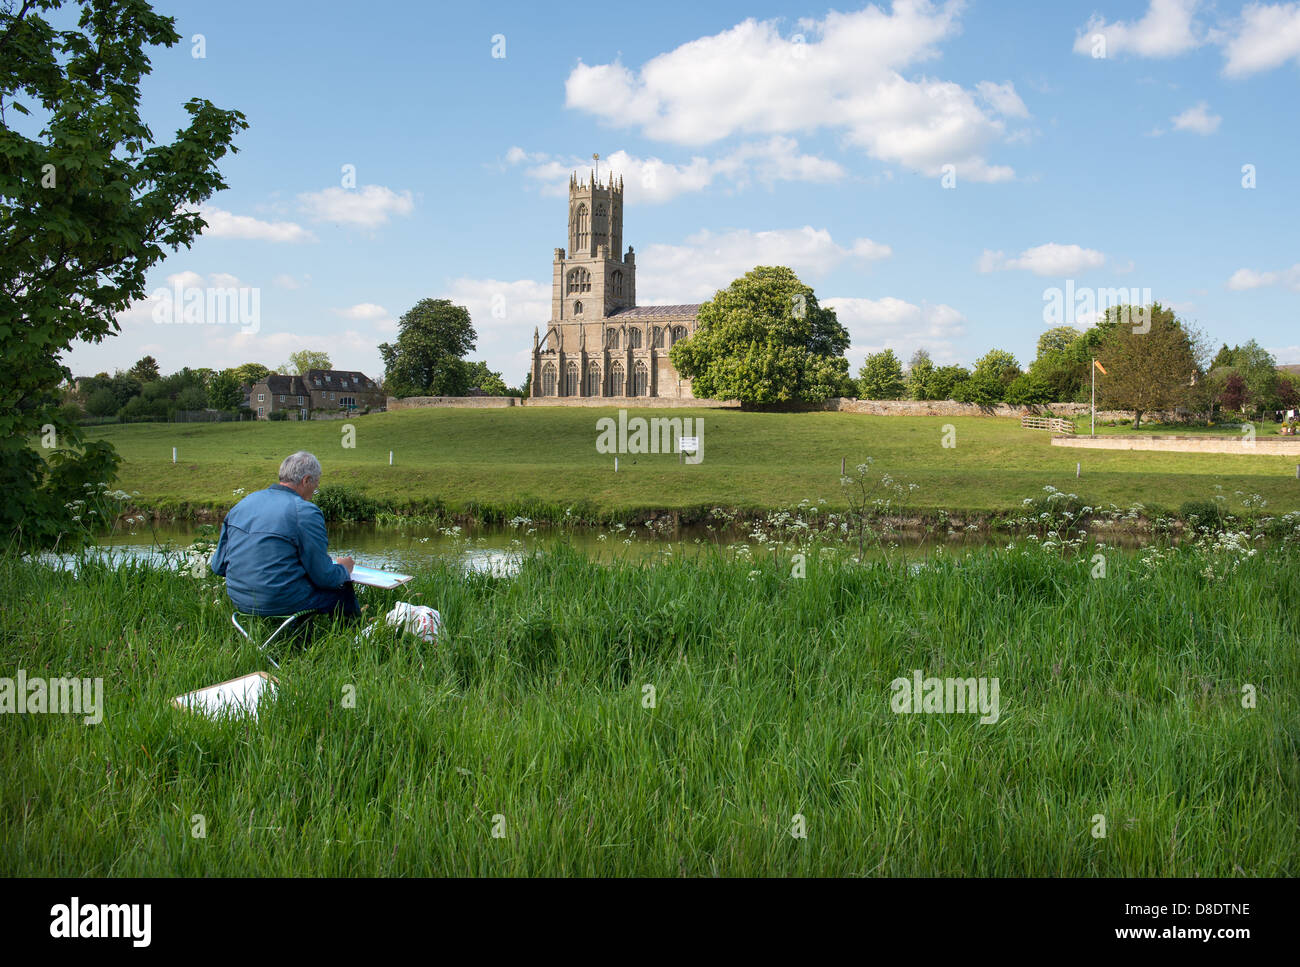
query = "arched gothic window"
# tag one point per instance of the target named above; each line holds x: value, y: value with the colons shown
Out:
x: 634, y: 339
x: 579, y: 280
x: 571, y: 379
x: 657, y: 341
x: 616, y: 378
x: 591, y: 385
x: 580, y: 227
x: 679, y: 332
x: 617, y: 280
x: 640, y: 380
x: 548, y: 379
x: 577, y: 308
x: 611, y: 339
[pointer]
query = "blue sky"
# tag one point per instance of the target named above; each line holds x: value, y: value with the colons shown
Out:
x: 930, y: 169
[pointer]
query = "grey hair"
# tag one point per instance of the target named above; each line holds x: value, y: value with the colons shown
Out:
x: 298, y: 467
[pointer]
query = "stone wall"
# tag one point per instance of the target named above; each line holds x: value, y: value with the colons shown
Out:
x: 953, y: 408
x: 474, y: 402
x: 1263, y: 446
x: 631, y: 402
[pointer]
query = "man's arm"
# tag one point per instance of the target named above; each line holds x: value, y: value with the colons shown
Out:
x: 312, y: 544
x: 219, y: 561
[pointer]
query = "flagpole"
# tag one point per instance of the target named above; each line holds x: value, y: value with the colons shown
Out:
x: 1093, y: 369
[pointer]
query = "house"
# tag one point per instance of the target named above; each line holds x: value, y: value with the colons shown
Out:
x: 328, y: 390
x: 277, y: 392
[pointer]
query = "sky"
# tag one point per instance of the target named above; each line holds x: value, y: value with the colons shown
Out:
x: 950, y: 176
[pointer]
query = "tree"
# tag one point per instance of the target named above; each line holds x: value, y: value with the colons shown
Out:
x: 1149, y: 370
x: 944, y: 383
x: 303, y: 360
x: 1223, y: 357
x: 145, y: 370
x: 997, y: 365
x: 1287, y: 390
x: 920, y: 376
x: 478, y: 375
x: 1234, y: 394
x: 1057, y: 340
x: 432, y: 337
x: 250, y: 373
x: 881, y: 377
x: 1028, y: 389
x: 88, y: 205
x: 225, y: 392
x: 765, y: 339
x: 102, y: 402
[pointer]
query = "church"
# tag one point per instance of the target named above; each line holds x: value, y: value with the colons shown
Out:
x: 599, y: 342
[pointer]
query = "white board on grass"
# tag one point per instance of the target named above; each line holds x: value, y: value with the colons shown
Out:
x: 375, y: 578
x: 236, y: 697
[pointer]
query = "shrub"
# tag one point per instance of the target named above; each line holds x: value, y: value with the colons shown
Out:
x: 342, y: 504
x: 279, y: 415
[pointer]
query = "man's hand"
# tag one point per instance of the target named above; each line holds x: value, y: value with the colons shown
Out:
x: 347, y: 562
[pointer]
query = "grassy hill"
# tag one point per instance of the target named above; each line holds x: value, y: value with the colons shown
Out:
x: 471, y: 459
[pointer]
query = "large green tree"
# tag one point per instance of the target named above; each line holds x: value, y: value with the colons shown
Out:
x: 307, y: 359
x: 1149, y: 368
x: 433, y: 336
x: 88, y: 204
x: 881, y: 377
x: 225, y: 391
x: 765, y: 339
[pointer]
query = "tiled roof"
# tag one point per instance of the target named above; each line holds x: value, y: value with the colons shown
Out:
x: 333, y: 378
x: 657, y: 312
x: 288, y: 385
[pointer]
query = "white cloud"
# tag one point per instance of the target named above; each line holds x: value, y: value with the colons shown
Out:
x: 904, y: 327
x: 1263, y: 37
x: 504, y: 314
x: 1197, y: 119
x: 1286, y: 355
x: 655, y: 180
x: 363, y: 310
x: 1049, y: 259
x: 223, y: 224
x: 1266, y: 36
x: 285, y: 281
x: 708, y: 261
x: 1003, y: 99
x: 367, y: 207
x: 1251, y: 279
x: 1167, y: 29
x: 843, y: 75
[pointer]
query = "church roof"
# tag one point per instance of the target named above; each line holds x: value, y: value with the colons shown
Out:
x: 657, y: 312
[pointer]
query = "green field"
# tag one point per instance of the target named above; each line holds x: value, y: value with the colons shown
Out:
x: 513, y: 458
x: 1120, y: 697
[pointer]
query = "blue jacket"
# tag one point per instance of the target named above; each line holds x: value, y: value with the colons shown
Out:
x: 272, y: 554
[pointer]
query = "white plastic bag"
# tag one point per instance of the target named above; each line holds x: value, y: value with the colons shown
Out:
x: 420, y: 620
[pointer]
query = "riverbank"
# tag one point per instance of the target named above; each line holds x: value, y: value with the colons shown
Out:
x: 490, y: 466
x: 724, y: 715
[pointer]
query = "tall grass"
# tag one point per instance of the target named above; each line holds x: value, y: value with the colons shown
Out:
x: 1120, y: 696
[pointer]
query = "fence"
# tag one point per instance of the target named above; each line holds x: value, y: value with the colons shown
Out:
x: 1054, y: 423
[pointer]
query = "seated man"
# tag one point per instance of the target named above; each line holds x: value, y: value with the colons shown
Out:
x: 272, y: 550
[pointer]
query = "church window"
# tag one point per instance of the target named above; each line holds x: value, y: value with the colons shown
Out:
x: 634, y: 339
x: 658, y: 341
x: 617, y: 280
x: 579, y: 280
x: 591, y: 385
x: 611, y: 339
x: 580, y: 228
x: 571, y: 379
x: 577, y: 308
x: 679, y: 332
x: 548, y: 379
x: 616, y: 379
x: 640, y: 380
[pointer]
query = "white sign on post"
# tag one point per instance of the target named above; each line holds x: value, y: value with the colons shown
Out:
x: 689, y: 444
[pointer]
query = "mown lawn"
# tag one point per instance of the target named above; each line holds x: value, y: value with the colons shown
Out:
x: 507, y: 458
x: 1120, y: 697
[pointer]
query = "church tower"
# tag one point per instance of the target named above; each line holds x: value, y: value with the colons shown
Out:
x: 592, y: 278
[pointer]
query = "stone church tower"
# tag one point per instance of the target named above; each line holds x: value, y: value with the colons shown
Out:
x: 598, y: 342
